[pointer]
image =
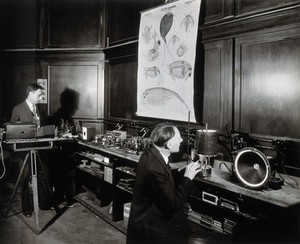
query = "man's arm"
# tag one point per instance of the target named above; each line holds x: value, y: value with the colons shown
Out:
x: 167, y: 197
x: 15, y: 115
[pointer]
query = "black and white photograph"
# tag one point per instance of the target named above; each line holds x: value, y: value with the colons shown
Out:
x: 149, y: 122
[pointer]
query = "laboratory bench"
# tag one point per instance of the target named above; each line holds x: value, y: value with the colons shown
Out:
x: 219, y: 202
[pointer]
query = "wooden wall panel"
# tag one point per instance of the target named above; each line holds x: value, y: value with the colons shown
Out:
x: 267, y: 84
x: 18, y: 22
x: 124, y: 18
x: 217, y: 9
x: 212, y: 87
x: 122, y: 88
x: 223, y: 10
x: 217, y: 106
x: 246, y: 6
x: 18, y: 75
x: 75, y: 23
x: 83, y: 78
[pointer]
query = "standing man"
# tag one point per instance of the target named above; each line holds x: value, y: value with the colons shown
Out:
x: 156, y: 214
x: 27, y: 112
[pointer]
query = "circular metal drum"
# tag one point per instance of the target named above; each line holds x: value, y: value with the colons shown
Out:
x: 252, y: 168
x: 207, y: 142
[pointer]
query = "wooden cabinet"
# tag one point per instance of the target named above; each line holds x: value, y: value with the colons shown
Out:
x: 120, y: 83
x: 248, y: 6
x: 19, y: 24
x: 225, y: 10
x: 124, y: 178
x: 53, y: 24
x: 75, y: 23
x: 217, y: 105
x: 108, y: 180
x: 218, y: 9
x: 220, y: 203
x: 95, y: 176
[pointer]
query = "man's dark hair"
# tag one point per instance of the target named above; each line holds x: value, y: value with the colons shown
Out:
x: 162, y: 133
x: 33, y: 87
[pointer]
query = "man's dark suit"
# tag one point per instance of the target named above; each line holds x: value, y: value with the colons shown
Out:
x: 156, y: 214
x: 21, y: 112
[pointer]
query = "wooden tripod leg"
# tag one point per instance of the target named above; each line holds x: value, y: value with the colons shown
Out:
x: 35, y: 188
x: 17, y: 183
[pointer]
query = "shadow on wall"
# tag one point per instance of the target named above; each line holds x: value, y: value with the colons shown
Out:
x: 69, y: 104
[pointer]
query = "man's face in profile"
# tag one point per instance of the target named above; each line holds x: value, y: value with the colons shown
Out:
x: 35, y: 96
x: 175, y: 141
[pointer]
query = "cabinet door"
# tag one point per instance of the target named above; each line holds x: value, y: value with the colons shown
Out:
x: 76, y: 23
x: 246, y: 6
x: 218, y: 9
x: 267, y: 84
x: 19, y: 24
x: 218, y: 85
x: 121, y: 87
x: 82, y: 82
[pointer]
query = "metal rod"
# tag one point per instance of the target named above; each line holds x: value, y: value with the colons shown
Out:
x: 188, y: 138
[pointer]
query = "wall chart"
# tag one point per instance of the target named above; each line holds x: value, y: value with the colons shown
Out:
x: 166, y: 58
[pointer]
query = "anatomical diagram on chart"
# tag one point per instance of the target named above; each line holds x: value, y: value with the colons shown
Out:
x: 166, y: 60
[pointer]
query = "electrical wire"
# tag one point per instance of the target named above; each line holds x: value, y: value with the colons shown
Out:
x: 282, y: 167
x: 225, y: 167
x: 227, y: 149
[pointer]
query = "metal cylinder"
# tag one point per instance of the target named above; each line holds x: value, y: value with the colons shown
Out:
x: 207, y: 142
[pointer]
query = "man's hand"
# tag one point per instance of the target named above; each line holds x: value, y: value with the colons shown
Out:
x: 192, y: 169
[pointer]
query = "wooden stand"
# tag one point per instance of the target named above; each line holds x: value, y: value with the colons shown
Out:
x: 32, y: 152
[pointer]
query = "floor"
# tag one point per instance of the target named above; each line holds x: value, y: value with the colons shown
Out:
x: 63, y: 226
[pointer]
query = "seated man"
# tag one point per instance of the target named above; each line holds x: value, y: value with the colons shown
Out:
x: 156, y: 214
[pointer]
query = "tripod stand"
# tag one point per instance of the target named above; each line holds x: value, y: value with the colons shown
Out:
x: 35, y: 159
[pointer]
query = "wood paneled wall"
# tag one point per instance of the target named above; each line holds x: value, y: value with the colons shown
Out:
x: 247, y: 76
x: 19, y: 23
x: 122, y: 88
x: 75, y: 23
x: 123, y: 19
x: 252, y: 82
x: 17, y: 76
x: 267, y: 84
x: 83, y: 73
x: 251, y: 60
x: 83, y: 78
x: 217, y: 103
x: 60, y: 41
